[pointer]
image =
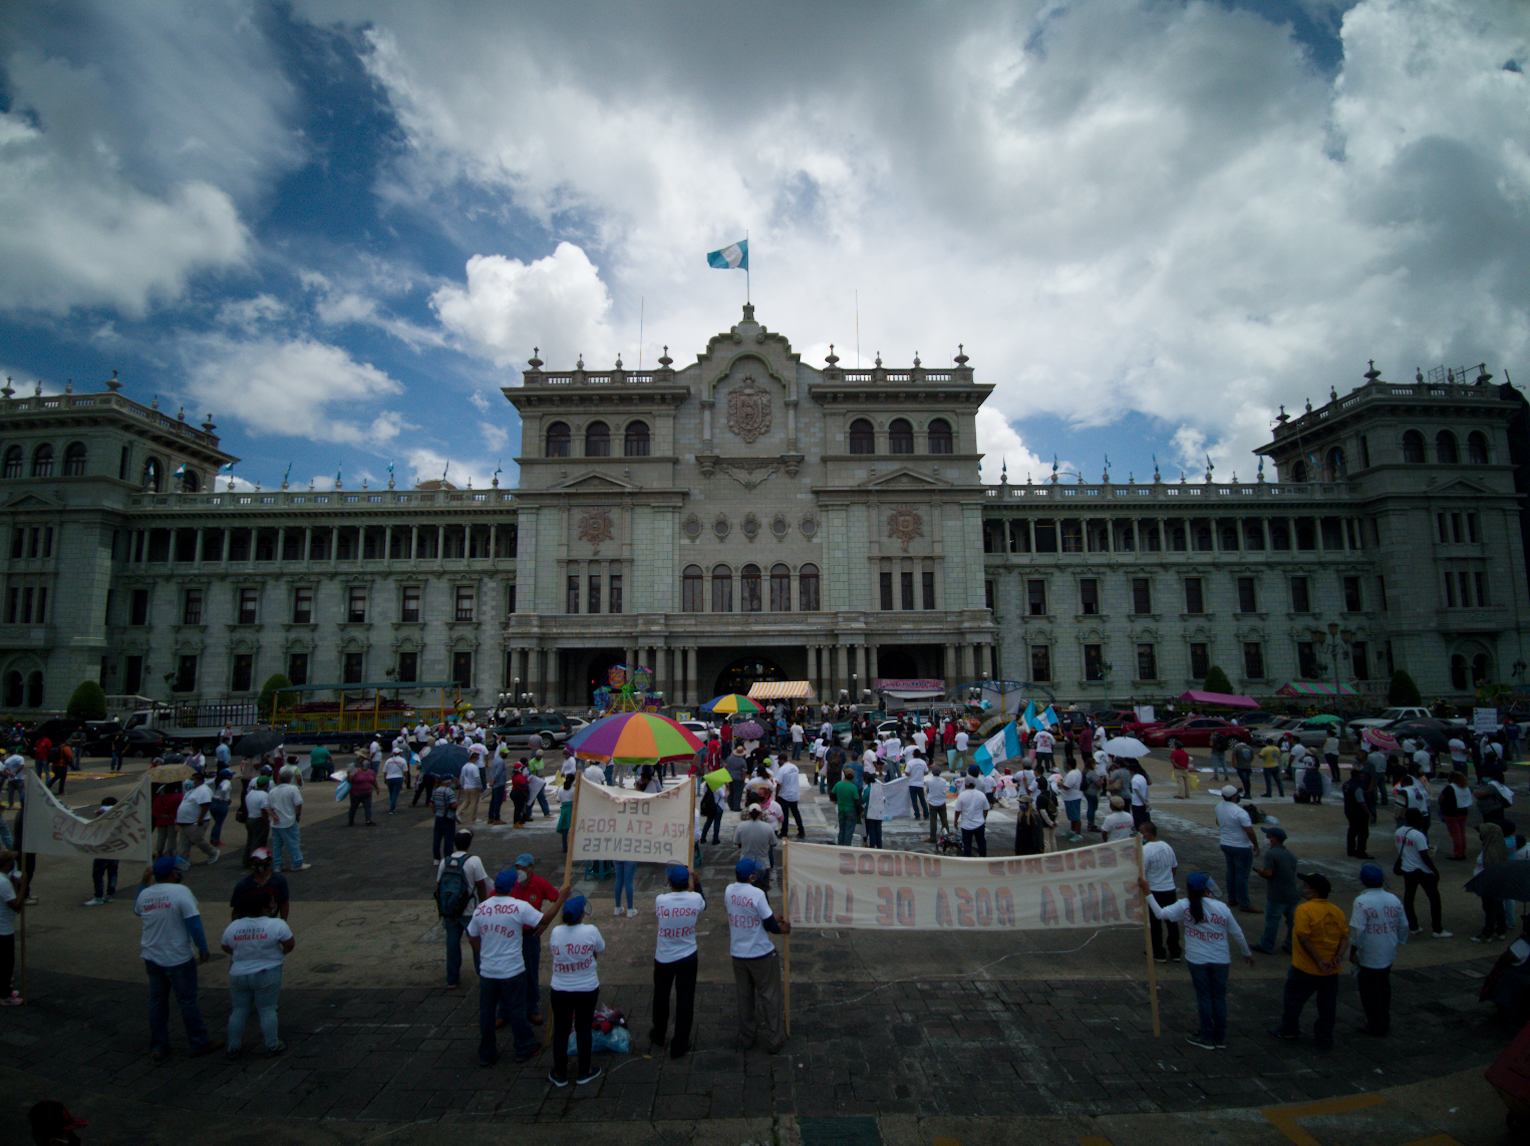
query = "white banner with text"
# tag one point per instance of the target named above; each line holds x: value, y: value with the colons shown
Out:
x: 620, y: 824
x: 50, y: 829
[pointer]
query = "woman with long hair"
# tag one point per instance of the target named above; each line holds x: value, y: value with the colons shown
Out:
x: 1494, y: 851
x: 1209, y: 928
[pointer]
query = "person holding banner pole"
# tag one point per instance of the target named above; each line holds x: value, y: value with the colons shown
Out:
x: 676, y: 959
x: 1210, y: 926
x: 756, y: 970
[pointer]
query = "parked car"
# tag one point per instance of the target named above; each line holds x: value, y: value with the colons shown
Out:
x: 545, y: 728
x: 1388, y: 716
x: 1312, y: 733
x: 699, y: 728
x: 1435, y: 733
x: 1114, y: 719
x: 97, y: 739
x: 1191, y: 732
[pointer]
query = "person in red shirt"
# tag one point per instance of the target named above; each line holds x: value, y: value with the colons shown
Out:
x: 1179, y: 759
x: 162, y: 809
x: 363, y: 783
x: 536, y: 891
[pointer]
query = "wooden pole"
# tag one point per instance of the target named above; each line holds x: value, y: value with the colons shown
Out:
x: 696, y: 784
x: 1147, y: 942
x: 786, y: 912
x: 573, y: 826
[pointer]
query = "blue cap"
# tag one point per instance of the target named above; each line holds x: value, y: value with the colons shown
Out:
x: 164, y: 867
x: 574, y: 909
x: 1197, y: 881
x: 525, y: 859
x: 505, y: 881
x: 1371, y: 875
x: 677, y: 873
x: 744, y: 869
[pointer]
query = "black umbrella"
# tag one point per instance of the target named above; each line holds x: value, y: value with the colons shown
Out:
x: 253, y: 744
x: 1502, y: 881
x: 444, y: 760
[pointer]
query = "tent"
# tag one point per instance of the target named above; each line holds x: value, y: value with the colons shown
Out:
x: 1313, y: 688
x: 1223, y: 699
x: 781, y: 690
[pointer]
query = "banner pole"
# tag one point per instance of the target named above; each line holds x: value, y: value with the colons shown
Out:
x: 1147, y: 947
x: 786, y: 910
x: 696, y: 782
x: 573, y: 825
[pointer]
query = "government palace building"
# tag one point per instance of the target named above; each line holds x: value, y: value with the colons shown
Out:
x: 749, y: 517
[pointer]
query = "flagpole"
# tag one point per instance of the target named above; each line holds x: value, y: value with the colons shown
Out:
x: 573, y: 825
x: 1147, y: 947
x: 746, y: 265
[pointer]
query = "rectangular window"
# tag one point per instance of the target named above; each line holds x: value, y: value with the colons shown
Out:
x: 191, y: 607
x: 1248, y: 601
x: 1094, y: 662
x: 1041, y: 663
x: 243, y: 672
x: 1472, y: 533
x: 690, y: 591
x: 466, y: 606
x: 1147, y: 662
x: 1142, y: 595
x: 1352, y: 600
x: 571, y: 600
x: 18, y: 543
x: 356, y: 604
x: 41, y: 615
x: 1466, y: 588
x: 614, y: 594
x: 1280, y: 533
x: 352, y: 668
x: 248, y: 612
x: 592, y: 594
x: 1046, y: 536
x: 1381, y: 592
x: 510, y: 599
x: 409, y: 606
x: 988, y: 594
x: 13, y: 606
x: 1089, y: 596
x: 408, y: 666
x: 185, y: 674
x: 302, y: 605
x: 1450, y: 590
x: 927, y: 589
x: 807, y: 591
x: 1253, y: 660
x: 1195, y: 595
x: 1036, y: 598
x: 1455, y: 528
x: 138, y: 607
x: 462, y: 669
x: 1307, y: 661
x: 132, y: 675
x: 1301, y: 595
x: 297, y: 668
x: 885, y: 584
x: 1442, y: 527
x: 722, y: 590
x: 906, y: 588
x: 1480, y: 579
x: 1359, y: 660
x: 1200, y: 659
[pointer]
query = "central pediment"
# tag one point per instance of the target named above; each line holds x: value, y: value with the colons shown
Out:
x: 905, y: 479
x: 593, y: 482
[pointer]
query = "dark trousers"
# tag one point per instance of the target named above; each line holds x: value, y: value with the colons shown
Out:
x: 522, y: 801
x: 938, y: 815
x: 975, y: 838
x: 364, y: 804
x: 1357, y: 834
x: 1156, y: 926
x: 1210, y: 983
x: 1430, y: 882
x: 1272, y: 776
x: 504, y: 999
x: 735, y: 795
x: 443, y: 839
x: 496, y: 802
x: 531, y: 953
x: 791, y: 812
x: 1300, y: 986
x: 1246, y: 778
x: 573, y: 1011
x: 180, y: 981
x: 1139, y: 815
x: 7, y: 964
x: 873, y: 833
x: 714, y: 823
x: 681, y: 975
x: 422, y: 790
x: 395, y: 786
x: 103, y: 877
x: 1375, y: 985
x: 257, y: 834
x: 917, y: 800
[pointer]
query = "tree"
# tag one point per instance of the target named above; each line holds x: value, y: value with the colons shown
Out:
x: 1402, y: 692
x: 1216, y: 681
x: 275, y: 683
x: 88, y: 702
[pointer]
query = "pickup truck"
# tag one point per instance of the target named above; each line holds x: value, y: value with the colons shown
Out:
x: 1387, y: 716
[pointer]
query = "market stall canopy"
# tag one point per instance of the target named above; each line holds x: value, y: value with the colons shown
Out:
x: 1313, y: 688
x: 910, y: 689
x: 1225, y: 699
x: 781, y: 690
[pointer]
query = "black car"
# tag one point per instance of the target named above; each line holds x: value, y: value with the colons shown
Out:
x: 98, y: 735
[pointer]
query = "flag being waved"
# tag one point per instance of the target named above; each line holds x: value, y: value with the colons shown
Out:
x: 734, y: 257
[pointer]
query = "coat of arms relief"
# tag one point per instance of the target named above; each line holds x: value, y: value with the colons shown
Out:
x: 749, y: 411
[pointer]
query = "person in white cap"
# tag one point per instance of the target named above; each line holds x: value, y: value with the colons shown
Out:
x: 1235, y: 833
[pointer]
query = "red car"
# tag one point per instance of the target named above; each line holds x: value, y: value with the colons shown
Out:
x: 1191, y: 732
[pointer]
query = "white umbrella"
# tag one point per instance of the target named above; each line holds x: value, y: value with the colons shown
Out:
x: 1128, y: 746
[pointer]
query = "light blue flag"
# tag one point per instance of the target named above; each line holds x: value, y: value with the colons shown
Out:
x: 1029, y: 716
x: 1001, y: 746
x: 734, y: 257
x: 1048, y: 718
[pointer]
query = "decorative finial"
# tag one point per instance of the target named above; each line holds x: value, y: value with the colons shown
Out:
x: 113, y: 383
x: 879, y: 360
x: 1027, y: 477
x: 961, y: 355
x: 497, y: 470
x: 208, y: 424
x: 1283, y: 417
x: 257, y: 487
x: 618, y: 361
x: 1450, y: 377
x: 1260, y: 475
x: 153, y: 404
x: 665, y: 359
x: 7, y: 390
x: 1372, y: 374
x: 579, y: 362
x: 1333, y: 393
x: 831, y: 359
x: 1131, y: 478
x: 1418, y: 375
x: 916, y: 360
x: 68, y: 385
x: 181, y: 414
x: 363, y: 483
x: 1309, y: 405
x: 1106, y: 476
x: 1181, y: 476
x: 1004, y: 472
x: 749, y: 312
x: 231, y: 483
x: 1483, y: 377
x: 37, y: 389
x: 1157, y: 477
x: 535, y: 361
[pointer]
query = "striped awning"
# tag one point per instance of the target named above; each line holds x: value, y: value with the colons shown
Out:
x: 1313, y: 688
x: 780, y: 690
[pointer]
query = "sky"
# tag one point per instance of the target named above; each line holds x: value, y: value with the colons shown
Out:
x: 341, y: 226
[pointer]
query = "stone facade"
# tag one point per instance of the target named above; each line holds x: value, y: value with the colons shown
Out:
x: 749, y: 516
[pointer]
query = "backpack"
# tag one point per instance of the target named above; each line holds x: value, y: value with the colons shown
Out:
x: 709, y: 803
x: 452, y: 891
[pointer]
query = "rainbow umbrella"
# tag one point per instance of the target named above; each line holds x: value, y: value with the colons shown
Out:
x: 634, y: 738
x: 730, y: 703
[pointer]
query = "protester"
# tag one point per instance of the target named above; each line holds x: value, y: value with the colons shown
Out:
x: 318, y: 763
x: 498, y: 780
x: 756, y: 969
x: 1269, y: 763
x: 103, y: 872
x: 675, y: 960
x: 1281, y: 894
x: 1209, y: 927
x: 1031, y: 823
x: 1415, y: 863
x: 574, y: 947
x: 495, y: 932
x: 253, y: 810
x: 1455, y: 807
x: 191, y: 817
x: 257, y: 943
x: 285, y: 811
x: 13, y: 890
x: 172, y: 943
x: 443, y: 803
x: 936, y: 791
x: 1179, y: 763
x: 1378, y: 925
x: 1235, y: 834
x: 222, y: 795
x: 1243, y: 764
x: 566, y: 811
x: 756, y: 840
x: 626, y: 881
x: 1158, y: 866
x: 1117, y: 824
x: 461, y: 885
x: 470, y: 781
x: 847, y: 800
x: 1494, y: 851
x: 363, y: 783
x: 972, y: 819
x: 1357, y: 814
x: 1071, y: 792
x: 1319, y: 939
x: 789, y: 793
x: 395, y: 771
x: 264, y: 882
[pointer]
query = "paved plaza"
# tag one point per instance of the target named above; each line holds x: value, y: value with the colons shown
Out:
x: 921, y: 1037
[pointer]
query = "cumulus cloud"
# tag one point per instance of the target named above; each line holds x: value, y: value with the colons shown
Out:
x: 1001, y: 446
x: 426, y: 464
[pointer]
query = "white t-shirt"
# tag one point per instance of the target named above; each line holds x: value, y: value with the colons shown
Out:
x: 1411, y: 846
x: 1158, y: 863
x: 498, y: 923
x: 472, y: 777
x: 971, y: 809
x: 788, y: 779
x: 257, y: 943
x: 1139, y: 790
x: 595, y: 774
x: 1045, y: 742
x: 921, y: 741
x: 1457, y: 750
x: 472, y: 871
x: 1117, y: 826
x: 164, y: 909
x: 1424, y: 761
x: 573, y: 948
x: 256, y: 801
x: 962, y: 740
x: 677, y: 912
x: 936, y: 789
x: 917, y: 770
x: 1072, y: 785
x: 285, y: 800
x: 748, y: 909
x: 7, y: 914
x: 797, y: 734
x: 1231, y: 820
x: 1377, y: 926
x: 192, y: 803
x: 1207, y: 941
x: 394, y: 768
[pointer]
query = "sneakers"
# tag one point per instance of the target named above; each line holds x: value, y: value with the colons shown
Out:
x: 619, y: 910
x: 1444, y: 934
x: 301, y: 867
x: 558, y: 1080
x: 14, y: 999
x: 94, y: 901
x: 595, y: 1072
x: 1200, y: 1041
x: 631, y: 913
x: 108, y: 899
x: 1276, y: 1032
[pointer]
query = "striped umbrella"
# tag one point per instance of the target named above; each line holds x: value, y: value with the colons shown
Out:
x: 730, y: 703
x: 634, y: 738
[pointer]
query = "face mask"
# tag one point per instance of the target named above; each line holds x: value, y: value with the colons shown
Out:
x: 521, y: 876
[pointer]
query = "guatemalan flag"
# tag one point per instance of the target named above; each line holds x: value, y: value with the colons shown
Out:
x: 1036, y: 721
x: 734, y: 257
x: 1001, y: 746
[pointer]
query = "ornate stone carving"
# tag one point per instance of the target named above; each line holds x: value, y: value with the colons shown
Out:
x: 809, y: 526
x: 691, y: 527
x: 749, y: 412
x: 751, y: 526
x: 721, y: 527
x: 595, y: 527
x: 780, y: 526
x: 904, y: 524
x: 748, y: 476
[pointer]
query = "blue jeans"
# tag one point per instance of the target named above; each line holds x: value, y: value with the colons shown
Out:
x: 1273, y: 914
x: 1240, y: 861
x: 257, y: 992
x: 846, y: 829
x: 1091, y: 805
x: 289, y: 839
x: 496, y: 801
x: 531, y: 952
x: 455, y: 929
x: 395, y: 786
x: 1210, y: 983
x: 1219, y: 766
x: 182, y: 982
x: 219, y: 812
x: 1071, y: 809
x: 103, y: 877
x: 503, y: 999
x: 626, y: 874
x: 916, y: 798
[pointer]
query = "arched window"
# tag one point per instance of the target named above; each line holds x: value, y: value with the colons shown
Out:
x: 780, y: 589
x: 34, y: 689
x: 153, y: 475
x: 557, y: 440
x: 1458, y: 673
x: 597, y: 440
x: 1413, y: 447
x: 722, y: 589
x: 635, y: 440
x: 1337, y: 469
x: 1479, y: 669
x: 42, y: 461
x: 1445, y: 450
x: 749, y: 589
x: 13, y: 693
x: 1299, y: 471
x: 74, y: 459
x: 690, y: 589
x: 940, y: 436
x: 1476, y: 448
x: 14, y: 459
x: 900, y: 436
x: 863, y: 439
x: 190, y: 482
x: 807, y: 589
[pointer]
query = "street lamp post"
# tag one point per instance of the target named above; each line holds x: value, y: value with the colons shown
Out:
x: 1334, y: 641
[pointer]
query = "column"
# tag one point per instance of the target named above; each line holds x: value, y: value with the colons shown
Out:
x: 948, y: 666
x: 871, y: 665
x: 307, y: 543
x: 692, y: 697
x: 1264, y: 525
x: 841, y: 669
x: 414, y: 542
x: 334, y: 543
x: 199, y: 546
x: 387, y: 542
x: 858, y: 672
x: 532, y: 677
x: 965, y: 652
x: 660, y: 669
x: 810, y: 671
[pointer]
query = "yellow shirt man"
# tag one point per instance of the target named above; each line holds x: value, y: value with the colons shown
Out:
x: 1318, y: 938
